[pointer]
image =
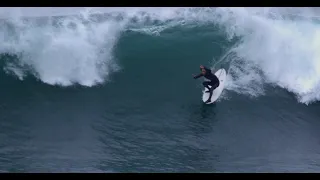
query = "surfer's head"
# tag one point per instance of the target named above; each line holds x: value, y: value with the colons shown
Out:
x: 202, y: 69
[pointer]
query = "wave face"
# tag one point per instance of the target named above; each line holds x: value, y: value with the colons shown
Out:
x: 277, y: 46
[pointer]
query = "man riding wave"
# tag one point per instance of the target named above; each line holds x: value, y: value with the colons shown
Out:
x: 214, y: 81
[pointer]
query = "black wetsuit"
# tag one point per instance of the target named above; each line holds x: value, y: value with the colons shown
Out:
x: 214, y: 81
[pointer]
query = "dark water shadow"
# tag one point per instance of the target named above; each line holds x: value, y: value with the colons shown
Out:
x: 207, y: 110
x: 202, y: 118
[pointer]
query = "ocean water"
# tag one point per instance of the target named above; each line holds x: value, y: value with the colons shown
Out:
x: 111, y: 90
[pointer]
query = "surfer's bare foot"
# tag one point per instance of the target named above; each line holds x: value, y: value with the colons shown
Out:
x: 208, y: 101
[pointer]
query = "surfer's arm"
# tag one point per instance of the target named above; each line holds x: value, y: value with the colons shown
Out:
x: 197, y: 76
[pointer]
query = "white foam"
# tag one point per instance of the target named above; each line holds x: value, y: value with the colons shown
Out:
x: 74, y: 52
x: 284, y: 50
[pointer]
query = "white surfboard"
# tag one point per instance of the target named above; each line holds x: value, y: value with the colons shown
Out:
x: 221, y: 74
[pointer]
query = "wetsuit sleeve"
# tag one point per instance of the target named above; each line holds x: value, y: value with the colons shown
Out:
x: 197, y: 76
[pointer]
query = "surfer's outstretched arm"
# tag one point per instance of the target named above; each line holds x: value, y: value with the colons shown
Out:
x: 197, y: 76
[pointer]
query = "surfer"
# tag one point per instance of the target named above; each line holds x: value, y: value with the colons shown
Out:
x: 214, y: 81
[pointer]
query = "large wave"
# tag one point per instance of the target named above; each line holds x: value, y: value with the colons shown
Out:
x: 277, y: 45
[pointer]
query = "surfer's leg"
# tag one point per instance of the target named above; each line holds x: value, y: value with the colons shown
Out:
x: 206, y: 84
x: 210, y: 95
x: 212, y: 84
x: 213, y: 87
